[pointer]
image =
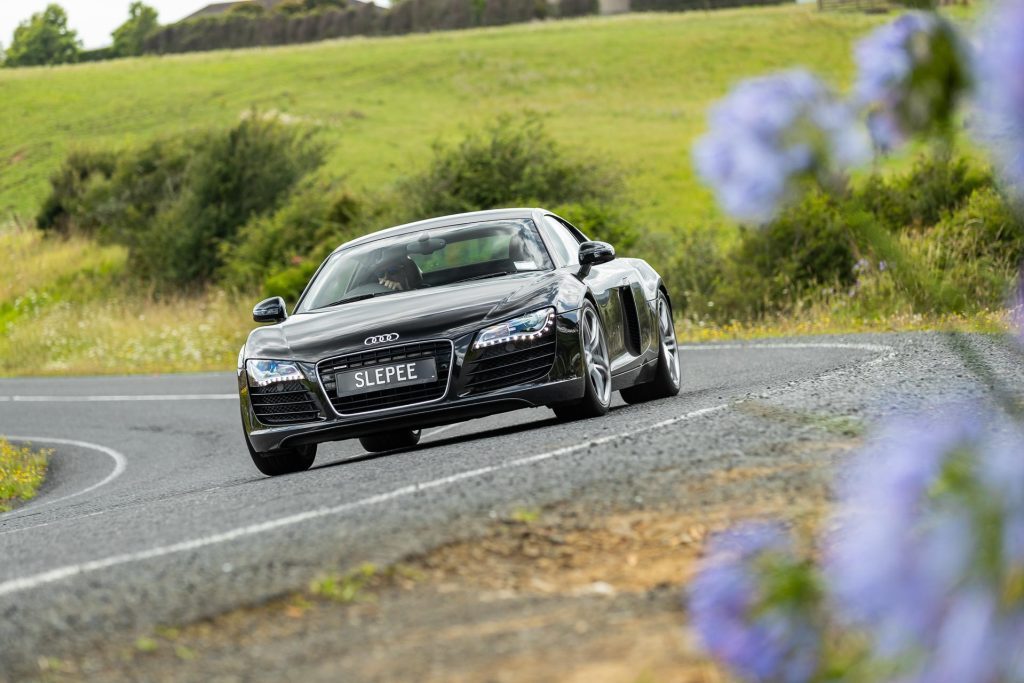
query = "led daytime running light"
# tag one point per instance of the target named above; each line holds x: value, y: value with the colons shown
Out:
x: 263, y: 373
x: 549, y: 323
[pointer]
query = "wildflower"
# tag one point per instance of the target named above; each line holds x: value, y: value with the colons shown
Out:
x: 928, y: 552
x: 763, y: 633
x: 1000, y: 75
x: 770, y: 133
x: 1017, y: 309
x: 911, y: 74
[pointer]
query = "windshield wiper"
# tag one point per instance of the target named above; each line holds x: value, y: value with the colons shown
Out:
x: 485, y: 276
x: 355, y: 298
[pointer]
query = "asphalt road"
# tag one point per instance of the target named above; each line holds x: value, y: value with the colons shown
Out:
x: 153, y: 512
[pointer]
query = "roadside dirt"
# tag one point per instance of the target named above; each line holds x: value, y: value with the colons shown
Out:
x: 558, y: 594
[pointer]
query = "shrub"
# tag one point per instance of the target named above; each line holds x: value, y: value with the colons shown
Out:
x: 603, y: 221
x: 692, y: 263
x: 937, y: 183
x: 974, y: 252
x: 811, y: 244
x: 512, y: 162
x: 177, y: 202
x: 288, y: 245
x: 62, y: 209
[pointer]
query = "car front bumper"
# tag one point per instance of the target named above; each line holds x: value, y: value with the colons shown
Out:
x: 562, y: 382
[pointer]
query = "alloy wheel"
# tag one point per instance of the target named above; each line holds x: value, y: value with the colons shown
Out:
x: 595, y: 356
x: 669, y: 345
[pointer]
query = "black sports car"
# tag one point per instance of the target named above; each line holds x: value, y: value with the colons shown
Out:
x: 449, y: 319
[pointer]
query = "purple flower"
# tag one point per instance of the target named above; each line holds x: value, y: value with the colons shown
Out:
x: 770, y: 133
x: 910, y: 75
x: 1017, y: 309
x: 740, y: 620
x: 1000, y: 76
x: 927, y: 552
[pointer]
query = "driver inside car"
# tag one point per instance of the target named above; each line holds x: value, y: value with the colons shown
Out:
x: 400, y: 275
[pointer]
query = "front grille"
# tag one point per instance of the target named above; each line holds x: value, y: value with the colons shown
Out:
x: 441, y: 351
x: 510, y: 364
x: 283, y: 403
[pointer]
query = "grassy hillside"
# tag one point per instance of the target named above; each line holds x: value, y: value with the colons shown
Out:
x: 633, y: 89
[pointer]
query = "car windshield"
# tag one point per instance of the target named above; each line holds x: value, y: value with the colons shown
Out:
x: 430, y: 258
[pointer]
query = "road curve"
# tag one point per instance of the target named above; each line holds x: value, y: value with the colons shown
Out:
x: 154, y: 514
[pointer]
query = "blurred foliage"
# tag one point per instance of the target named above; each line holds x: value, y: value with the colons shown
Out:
x: 43, y: 39
x: 512, y: 162
x: 938, y: 239
x: 129, y: 36
x: 179, y: 203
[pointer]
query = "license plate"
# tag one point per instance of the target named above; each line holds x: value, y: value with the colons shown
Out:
x: 388, y: 376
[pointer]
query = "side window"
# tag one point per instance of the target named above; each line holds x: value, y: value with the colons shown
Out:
x: 562, y: 241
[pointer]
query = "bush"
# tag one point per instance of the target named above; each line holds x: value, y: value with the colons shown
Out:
x: 975, y: 252
x: 607, y: 222
x: 512, y: 162
x: 288, y: 245
x: 937, y: 183
x: 177, y: 203
x: 63, y: 208
x: 812, y: 244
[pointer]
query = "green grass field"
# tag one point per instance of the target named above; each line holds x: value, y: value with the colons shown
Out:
x: 631, y: 89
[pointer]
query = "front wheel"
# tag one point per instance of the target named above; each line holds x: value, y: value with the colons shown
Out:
x: 390, y: 441
x: 597, y: 370
x: 666, y: 380
x: 283, y: 460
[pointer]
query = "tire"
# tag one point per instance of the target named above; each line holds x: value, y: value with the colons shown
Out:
x: 597, y: 370
x: 284, y: 460
x: 390, y: 441
x: 666, y: 380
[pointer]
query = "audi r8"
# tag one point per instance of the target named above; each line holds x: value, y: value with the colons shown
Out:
x: 449, y: 319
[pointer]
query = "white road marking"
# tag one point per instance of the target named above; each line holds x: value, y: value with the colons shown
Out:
x: 61, y: 573
x: 786, y: 345
x: 52, y: 576
x: 124, y: 397
x: 442, y: 430
x: 120, y: 463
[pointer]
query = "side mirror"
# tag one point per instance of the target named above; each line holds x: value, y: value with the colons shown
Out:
x: 592, y: 253
x: 270, y: 310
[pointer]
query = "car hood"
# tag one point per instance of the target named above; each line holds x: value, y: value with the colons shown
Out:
x: 446, y: 312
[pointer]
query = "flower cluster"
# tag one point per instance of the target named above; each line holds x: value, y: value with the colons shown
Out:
x: 938, y: 507
x: 1000, y: 102
x: 925, y: 557
x: 911, y: 73
x: 769, y: 134
x: 762, y: 633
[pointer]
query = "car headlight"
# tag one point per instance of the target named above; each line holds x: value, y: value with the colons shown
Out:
x: 264, y: 372
x: 530, y: 326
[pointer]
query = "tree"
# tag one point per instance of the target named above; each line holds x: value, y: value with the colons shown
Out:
x: 129, y: 36
x: 44, y: 39
x: 294, y: 7
x: 247, y: 9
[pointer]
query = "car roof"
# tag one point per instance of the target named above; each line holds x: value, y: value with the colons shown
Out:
x: 446, y: 222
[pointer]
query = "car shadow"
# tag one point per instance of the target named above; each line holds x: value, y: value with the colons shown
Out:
x: 455, y: 440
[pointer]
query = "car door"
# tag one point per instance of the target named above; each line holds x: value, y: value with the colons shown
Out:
x: 612, y: 284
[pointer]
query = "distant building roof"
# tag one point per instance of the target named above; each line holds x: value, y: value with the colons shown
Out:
x: 222, y: 7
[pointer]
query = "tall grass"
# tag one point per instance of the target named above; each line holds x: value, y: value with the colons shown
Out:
x: 68, y: 307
